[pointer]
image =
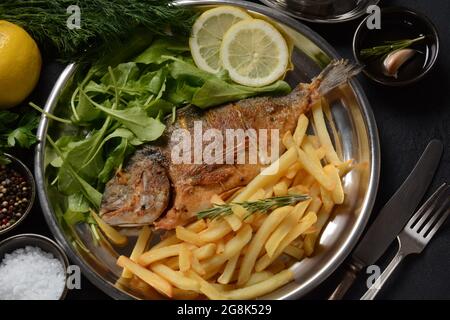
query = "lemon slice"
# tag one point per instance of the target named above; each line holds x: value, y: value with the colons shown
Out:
x: 254, y: 52
x: 207, y: 34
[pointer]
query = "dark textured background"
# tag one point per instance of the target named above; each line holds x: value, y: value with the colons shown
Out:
x: 407, y: 118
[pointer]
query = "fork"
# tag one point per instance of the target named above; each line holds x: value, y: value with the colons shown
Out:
x: 417, y: 234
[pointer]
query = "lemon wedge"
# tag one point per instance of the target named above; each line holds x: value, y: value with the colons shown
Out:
x: 254, y: 52
x: 207, y: 33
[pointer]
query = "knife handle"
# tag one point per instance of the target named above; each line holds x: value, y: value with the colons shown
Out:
x: 349, y: 277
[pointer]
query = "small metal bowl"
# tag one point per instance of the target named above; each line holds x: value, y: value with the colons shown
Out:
x: 322, y: 11
x: 20, y: 167
x: 398, y: 23
x: 29, y: 239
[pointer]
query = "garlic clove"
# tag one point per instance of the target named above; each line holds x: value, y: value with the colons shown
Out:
x: 395, y: 60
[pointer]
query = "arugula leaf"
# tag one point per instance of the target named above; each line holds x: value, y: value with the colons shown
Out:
x: 215, y: 89
x: 135, y: 119
x: 77, y: 202
x: 160, y: 49
x: 115, y: 159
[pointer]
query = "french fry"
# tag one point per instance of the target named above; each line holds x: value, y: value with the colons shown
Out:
x: 300, y: 130
x: 214, y: 232
x: 285, y: 226
x: 294, y: 252
x: 228, y: 272
x: 258, y: 277
x: 220, y: 246
x: 310, y: 239
x: 239, y: 211
x: 197, y: 266
x: 258, y: 220
x: 176, y: 278
x: 141, y: 245
x: 281, y: 188
x: 180, y: 294
x: 206, y: 251
x: 232, y: 248
x: 170, y: 240
x: 300, y: 177
x: 258, y: 195
x: 269, y: 175
x: 345, y: 167
x: 261, y: 288
x: 315, y: 205
x: 303, y: 225
x: 188, y: 236
x: 288, y: 140
x: 257, y: 243
x: 315, y: 170
x: 327, y: 199
x: 314, y: 190
x: 206, y: 288
x: 292, y: 171
x: 158, y: 254
x: 322, y: 133
x: 146, y: 275
x: 311, y: 151
x: 299, y: 189
x: 269, y: 192
x: 309, y: 181
x: 338, y: 192
x: 184, y: 258
x: 314, y: 140
x: 277, y: 266
x: 321, y: 153
x: 196, y: 226
x: 112, y: 234
x: 278, y: 235
x: 233, y: 220
x: 172, y: 263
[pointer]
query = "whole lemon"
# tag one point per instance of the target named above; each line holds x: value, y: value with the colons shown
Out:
x: 20, y: 64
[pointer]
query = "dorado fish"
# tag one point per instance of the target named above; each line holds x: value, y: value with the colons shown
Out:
x: 154, y: 189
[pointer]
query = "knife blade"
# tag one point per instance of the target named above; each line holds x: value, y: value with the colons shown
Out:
x: 393, y: 216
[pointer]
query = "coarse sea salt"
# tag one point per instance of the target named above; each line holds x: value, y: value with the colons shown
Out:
x: 31, y: 274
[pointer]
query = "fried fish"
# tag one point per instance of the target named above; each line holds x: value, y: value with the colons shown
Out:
x: 152, y: 184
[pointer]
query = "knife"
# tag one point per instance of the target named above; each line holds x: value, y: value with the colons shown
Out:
x: 393, y: 217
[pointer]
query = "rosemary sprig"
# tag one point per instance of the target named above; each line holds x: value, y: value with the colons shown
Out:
x: 388, y: 47
x: 263, y: 206
x: 104, y: 24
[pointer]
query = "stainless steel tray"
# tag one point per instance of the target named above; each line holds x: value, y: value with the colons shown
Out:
x: 356, y: 137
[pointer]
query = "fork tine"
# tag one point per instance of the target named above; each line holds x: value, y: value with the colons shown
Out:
x: 442, y: 209
x: 440, y: 202
x: 438, y: 225
x: 427, y: 207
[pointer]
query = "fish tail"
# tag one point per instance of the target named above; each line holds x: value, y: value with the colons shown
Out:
x: 336, y: 73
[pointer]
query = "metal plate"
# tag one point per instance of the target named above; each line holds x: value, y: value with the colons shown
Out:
x: 356, y: 137
x: 322, y: 11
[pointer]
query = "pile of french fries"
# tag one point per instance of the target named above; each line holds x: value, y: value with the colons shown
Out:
x: 237, y: 258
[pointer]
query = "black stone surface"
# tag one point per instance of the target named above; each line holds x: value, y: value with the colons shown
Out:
x: 408, y: 118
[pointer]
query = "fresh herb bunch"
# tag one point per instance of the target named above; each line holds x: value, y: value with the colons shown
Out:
x: 105, y: 24
x: 388, y: 47
x: 262, y: 206
x: 16, y: 131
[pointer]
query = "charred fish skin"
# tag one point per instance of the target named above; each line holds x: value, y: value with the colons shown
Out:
x: 139, y: 194
x: 155, y: 185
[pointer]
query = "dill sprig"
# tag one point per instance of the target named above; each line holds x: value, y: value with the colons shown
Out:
x: 262, y: 206
x: 388, y: 47
x: 105, y: 24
